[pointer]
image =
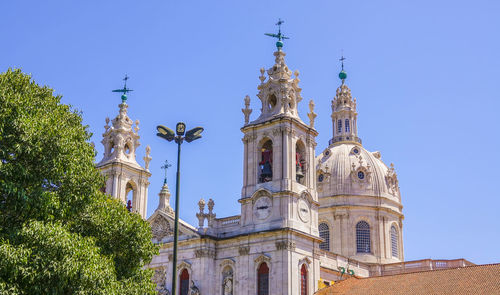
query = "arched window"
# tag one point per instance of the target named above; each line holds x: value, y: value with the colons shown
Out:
x: 130, y: 196
x: 303, y: 280
x: 184, y: 282
x: 347, y: 126
x: 363, y: 237
x: 339, y: 126
x: 263, y: 279
x: 272, y: 101
x: 227, y: 280
x: 266, y: 161
x: 324, y: 233
x: 394, y: 242
x: 300, y: 162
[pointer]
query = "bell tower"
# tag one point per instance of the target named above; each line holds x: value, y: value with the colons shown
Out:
x: 279, y: 184
x: 125, y: 178
x: 344, y: 115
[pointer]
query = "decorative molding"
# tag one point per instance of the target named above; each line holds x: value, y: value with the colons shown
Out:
x: 227, y: 262
x: 204, y: 253
x: 244, y: 250
x: 160, y: 228
x: 391, y: 179
x: 262, y: 258
x: 184, y: 264
x: 159, y: 279
x: 249, y: 138
x: 285, y: 245
x: 305, y: 260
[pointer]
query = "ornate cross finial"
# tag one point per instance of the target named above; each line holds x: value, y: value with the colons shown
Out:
x: 342, y: 74
x: 279, y: 36
x: 165, y: 167
x: 124, y: 90
x: 342, y: 58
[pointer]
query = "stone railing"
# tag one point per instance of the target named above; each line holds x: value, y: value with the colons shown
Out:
x: 422, y: 265
x: 344, y: 138
x: 229, y: 221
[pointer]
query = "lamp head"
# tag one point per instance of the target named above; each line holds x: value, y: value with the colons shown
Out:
x: 165, y: 132
x: 180, y: 128
x: 194, y: 134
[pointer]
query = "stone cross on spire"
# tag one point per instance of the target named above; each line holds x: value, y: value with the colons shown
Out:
x: 342, y: 74
x: 124, y: 90
x: 279, y: 36
x: 165, y: 167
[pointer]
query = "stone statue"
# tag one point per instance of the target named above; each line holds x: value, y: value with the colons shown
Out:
x: 194, y: 290
x: 228, y: 286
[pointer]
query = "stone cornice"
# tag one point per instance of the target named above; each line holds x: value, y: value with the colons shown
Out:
x: 374, y: 208
x: 277, y: 120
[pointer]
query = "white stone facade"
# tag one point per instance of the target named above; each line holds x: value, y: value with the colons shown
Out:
x: 300, y: 213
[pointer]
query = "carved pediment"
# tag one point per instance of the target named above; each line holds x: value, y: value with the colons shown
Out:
x: 160, y: 227
x: 184, y: 264
x: 262, y: 258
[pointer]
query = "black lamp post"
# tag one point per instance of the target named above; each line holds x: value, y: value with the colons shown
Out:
x: 179, y: 137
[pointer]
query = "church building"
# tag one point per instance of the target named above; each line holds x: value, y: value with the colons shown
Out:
x: 306, y: 219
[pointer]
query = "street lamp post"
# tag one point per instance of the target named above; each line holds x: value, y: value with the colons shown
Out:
x: 179, y: 136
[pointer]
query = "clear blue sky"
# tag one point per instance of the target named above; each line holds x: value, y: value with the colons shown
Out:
x: 425, y: 73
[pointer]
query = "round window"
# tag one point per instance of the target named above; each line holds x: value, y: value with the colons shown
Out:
x: 356, y: 151
x: 321, y: 177
x: 327, y: 153
x: 361, y: 175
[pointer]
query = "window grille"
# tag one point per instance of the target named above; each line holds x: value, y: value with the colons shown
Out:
x: 263, y: 279
x: 324, y: 233
x: 339, y: 126
x: 363, y: 237
x: 347, y: 126
x: 394, y: 242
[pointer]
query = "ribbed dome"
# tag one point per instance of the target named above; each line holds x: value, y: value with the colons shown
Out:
x: 349, y: 169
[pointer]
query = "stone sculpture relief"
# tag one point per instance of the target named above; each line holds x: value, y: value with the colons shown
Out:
x: 161, y: 228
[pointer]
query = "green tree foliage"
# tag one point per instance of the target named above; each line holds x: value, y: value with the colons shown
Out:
x: 59, y: 234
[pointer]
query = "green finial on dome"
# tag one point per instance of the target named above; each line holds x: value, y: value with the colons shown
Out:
x: 124, y: 90
x: 279, y: 36
x: 342, y: 74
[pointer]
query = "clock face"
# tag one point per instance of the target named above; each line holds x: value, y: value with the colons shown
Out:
x: 262, y: 207
x: 303, y: 208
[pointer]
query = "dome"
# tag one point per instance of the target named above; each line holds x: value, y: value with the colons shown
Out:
x: 350, y: 170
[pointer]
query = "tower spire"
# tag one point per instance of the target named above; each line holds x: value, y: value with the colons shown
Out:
x: 279, y: 36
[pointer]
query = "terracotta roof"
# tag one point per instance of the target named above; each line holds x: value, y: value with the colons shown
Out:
x: 478, y: 279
